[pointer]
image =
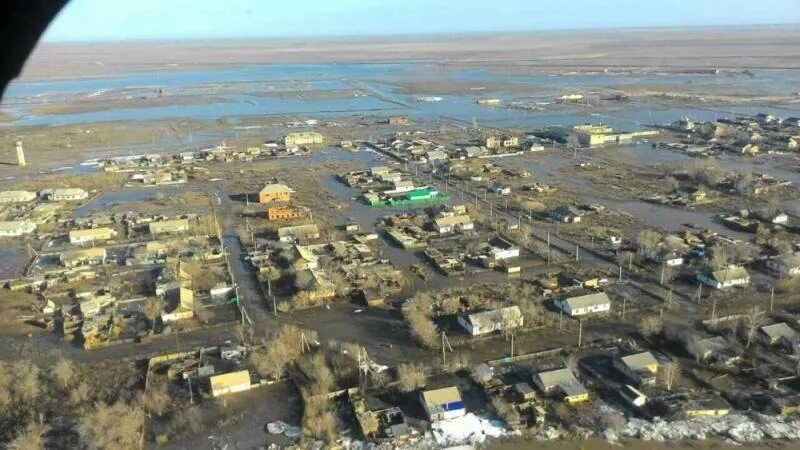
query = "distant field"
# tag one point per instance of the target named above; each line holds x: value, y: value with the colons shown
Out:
x: 729, y: 47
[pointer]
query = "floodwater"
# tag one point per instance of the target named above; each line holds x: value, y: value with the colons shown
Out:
x: 127, y: 196
x: 245, y: 91
x: 12, y: 261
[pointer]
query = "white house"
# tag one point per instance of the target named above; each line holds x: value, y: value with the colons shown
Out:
x: 584, y: 304
x: 16, y: 228
x: 453, y: 224
x: 502, y: 249
x: 782, y: 266
x: 490, y: 321
x: 68, y: 195
x: 725, y: 278
x: 443, y: 404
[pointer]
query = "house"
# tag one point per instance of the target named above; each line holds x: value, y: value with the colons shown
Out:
x: 780, y: 219
x: 17, y: 196
x: 16, y: 228
x: 398, y: 120
x: 713, y: 348
x: 232, y: 352
x: 500, y: 189
x: 782, y: 266
x: 67, y: 195
x: 303, y: 138
x: 792, y: 122
x: 91, y: 235
x: 492, y: 142
x: 284, y: 213
x: 710, y: 407
x: 169, y: 227
x: 725, y: 278
x: 584, y: 304
x: 298, y: 233
x: 566, y: 214
x: 510, y: 141
x: 561, y: 381
x: 490, y: 321
x: 777, y: 333
x: 229, y: 383
x: 500, y: 249
x: 83, y: 257
x: 632, y: 396
x: 443, y: 404
x: 640, y: 367
x: 453, y: 224
x: 274, y: 193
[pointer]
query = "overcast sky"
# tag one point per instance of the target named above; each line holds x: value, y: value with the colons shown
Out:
x: 93, y: 20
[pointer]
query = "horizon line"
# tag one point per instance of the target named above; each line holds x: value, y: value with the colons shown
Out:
x: 459, y: 34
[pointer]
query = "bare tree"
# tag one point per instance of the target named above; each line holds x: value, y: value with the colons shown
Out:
x: 669, y: 373
x: 411, y: 377
x: 648, y: 240
x: 753, y: 320
x: 186, y: 422
x: 319, y: 420
x: 112, y: 426
x: 64, y: 372
x: 30, y: 438
x: 718, y: 257
x: 651, y: 326
x: 614, y: 421
x: 153, y: 307
x: 157, y: 398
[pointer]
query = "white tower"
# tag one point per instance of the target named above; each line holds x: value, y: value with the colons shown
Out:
x: 20, y: 154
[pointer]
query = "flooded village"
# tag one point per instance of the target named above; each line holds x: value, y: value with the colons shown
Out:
x: 351, y: 260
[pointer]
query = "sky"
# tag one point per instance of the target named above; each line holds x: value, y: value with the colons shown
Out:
x: 115, y: 20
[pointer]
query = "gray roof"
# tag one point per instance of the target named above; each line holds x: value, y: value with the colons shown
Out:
x: 585, y: 301
x: 790, y: 261
x: 558, y: 377
x: 731, y: 273
x: 778, y: 330
x: 639, y: 361
x: 509, y: 315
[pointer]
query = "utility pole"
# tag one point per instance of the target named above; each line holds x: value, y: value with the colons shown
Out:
x: 771, y: 298
x: 699, y: 293
x: 577, y: 252
x: 620, y: 273
x: 445, y: 342
x: 663, y: 267
x: 580, y: 332
x: 624, y: 306
x: 714, y: 309
x: 512, y: 344
x: 560, y: 318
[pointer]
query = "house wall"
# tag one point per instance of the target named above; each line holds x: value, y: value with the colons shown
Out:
x: 267, y: 197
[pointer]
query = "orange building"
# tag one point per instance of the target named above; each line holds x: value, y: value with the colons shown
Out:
x: 284, y: 213
x: 274, y: 193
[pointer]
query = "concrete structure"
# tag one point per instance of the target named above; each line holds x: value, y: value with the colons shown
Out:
x: 584, y: 304
x: 284, y: 213
x: 91, y: 235
x: 85, y: 257
x: 16, y: 228
x: 453, y: 224
x: 298, y: 233
x: 20, y: 154
x: 275, y: 193
x: 641, y: 368
x: 443, y: 404
x: 595, y: 135
x: 68, y: 195
x: 502, y: 249
x: 563, y: 382
x: 303, y: 138
x: 17, y: 196
x: 174, y: 226
x: 490, y: 321
x: 782, y: 266
x: 566, y: 214
x: 229, y: 383
x: 725, y: 278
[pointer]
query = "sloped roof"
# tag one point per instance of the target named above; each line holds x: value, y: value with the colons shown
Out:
x: 275, y: 188
x: 441, y: 396
x: 639, y: 361
x: 228, y: 380
x: 558, y: 377
x: 509, y: 315
x: 585, y: 301
x: 778, y: 330
x: 452, y: 220
x: 731, y: 273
